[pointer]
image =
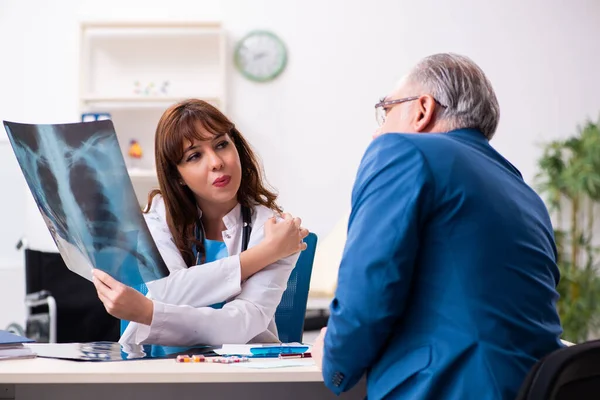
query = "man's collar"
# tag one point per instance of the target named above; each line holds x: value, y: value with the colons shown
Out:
x: 468, y: 133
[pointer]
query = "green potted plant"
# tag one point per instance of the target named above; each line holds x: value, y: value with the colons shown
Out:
x: 569, y: 180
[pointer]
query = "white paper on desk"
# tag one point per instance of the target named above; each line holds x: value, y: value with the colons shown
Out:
x: 244, y: 349
x: 275, y: 364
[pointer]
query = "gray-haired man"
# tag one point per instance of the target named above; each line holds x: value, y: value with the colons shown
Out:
x: 447, y: 286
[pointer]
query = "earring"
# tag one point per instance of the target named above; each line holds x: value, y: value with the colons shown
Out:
x: 182, y: 183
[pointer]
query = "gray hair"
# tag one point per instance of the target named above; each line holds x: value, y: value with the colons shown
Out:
x: 459, y: 84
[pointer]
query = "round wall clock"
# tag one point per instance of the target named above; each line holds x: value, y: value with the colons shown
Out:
x: 260, y: 56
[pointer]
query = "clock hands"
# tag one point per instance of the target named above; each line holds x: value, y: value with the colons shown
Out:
x: 259, y: 55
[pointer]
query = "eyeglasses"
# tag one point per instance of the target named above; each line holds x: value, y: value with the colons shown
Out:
x: 384, y: 105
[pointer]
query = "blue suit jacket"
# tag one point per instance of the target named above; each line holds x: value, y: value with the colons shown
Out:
x: 447, y: 285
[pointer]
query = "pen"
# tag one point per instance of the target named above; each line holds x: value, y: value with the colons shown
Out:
x: 298, y: 355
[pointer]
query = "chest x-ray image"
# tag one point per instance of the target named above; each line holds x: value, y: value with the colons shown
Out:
x: 78, y: 178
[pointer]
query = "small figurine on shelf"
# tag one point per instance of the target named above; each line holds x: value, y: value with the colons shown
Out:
x: 165, y: 87
x: 149, y: 89
x: 135, y: 152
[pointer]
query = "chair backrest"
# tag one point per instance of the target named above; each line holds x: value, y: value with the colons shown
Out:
x: 290, y: 314
x: 568, y: 373
x: 291, y: 311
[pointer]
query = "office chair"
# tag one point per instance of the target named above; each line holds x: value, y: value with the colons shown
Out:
x: 568, y: 373
x: 291, y: 312
x: 61, y: 306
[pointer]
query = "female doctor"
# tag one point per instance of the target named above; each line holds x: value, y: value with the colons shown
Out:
x: 214, y: 224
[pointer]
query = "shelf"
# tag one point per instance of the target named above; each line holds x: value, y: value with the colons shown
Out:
x: 142, y: 173
x: 150, y: 32
x: 116, y: 102
x: 150, y: 24
x: 150, y: 29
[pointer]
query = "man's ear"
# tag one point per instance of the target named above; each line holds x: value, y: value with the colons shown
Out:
x: 426, y: 108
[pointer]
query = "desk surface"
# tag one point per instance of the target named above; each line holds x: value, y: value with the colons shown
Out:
x: 44, y: 370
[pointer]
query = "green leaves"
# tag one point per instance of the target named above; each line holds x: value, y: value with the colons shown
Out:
x: 569, y: 180
x: 579, y: 290
x: 571, y: 167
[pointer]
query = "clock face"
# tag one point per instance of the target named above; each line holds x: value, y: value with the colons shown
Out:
x: 260, y: 56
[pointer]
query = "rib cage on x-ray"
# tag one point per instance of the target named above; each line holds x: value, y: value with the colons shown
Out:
x: 78, y: 178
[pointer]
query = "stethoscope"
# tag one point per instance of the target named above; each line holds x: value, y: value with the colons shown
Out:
x: 246, y: 230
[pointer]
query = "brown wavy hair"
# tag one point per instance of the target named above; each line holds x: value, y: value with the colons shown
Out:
x: 177, y: 126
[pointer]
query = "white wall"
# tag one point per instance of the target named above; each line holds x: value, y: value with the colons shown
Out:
x: 312, y: 124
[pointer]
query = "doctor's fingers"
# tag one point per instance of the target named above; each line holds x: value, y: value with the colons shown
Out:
x: 298, y: 222
x: 102, y: 290
x: 303, y: 232
x: 99, y: 284
x: 117, y: 289
x: 110, y: 306
x: 114, y: 293
x: 287, y: 217
x: 105, y: 278
x: 107, y: 303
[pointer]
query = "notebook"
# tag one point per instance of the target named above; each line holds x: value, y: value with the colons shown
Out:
x: 12, y: 346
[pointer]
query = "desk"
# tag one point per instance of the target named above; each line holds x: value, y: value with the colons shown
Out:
x: 42, y: 378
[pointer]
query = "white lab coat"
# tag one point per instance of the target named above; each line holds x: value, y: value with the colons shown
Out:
x: 181, y: 313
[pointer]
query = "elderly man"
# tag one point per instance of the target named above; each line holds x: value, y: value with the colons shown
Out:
x: 447, y: 284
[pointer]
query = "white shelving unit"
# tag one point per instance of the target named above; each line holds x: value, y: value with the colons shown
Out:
x: 134, y: 71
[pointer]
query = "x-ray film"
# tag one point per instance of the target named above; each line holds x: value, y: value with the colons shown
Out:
x: 80, y: 183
